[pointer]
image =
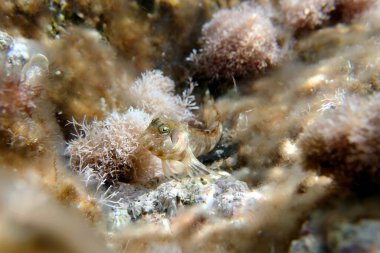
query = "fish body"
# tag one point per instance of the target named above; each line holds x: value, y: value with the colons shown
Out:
x: 178, y: 145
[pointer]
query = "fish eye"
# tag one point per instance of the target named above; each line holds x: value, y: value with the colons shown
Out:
x: 163, y: 129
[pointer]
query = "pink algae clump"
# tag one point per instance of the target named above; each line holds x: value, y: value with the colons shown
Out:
x: 237, y: 41
x: 350, y: 9
x: 306, y: 14
x: 104, y: 150
x: 154, y: 93
x: 344, y: 143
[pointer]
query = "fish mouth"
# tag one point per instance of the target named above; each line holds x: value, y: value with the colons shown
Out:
x: 174, y: 137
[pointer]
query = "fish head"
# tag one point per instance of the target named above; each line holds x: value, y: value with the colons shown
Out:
x: 165, y: 138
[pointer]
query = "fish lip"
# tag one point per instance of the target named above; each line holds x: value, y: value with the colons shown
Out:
x: 173, y: 137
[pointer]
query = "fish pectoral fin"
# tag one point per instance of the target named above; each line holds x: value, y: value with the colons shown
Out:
x: 175, y: 177
x: 195, y: 166
x: 198, y: 168
x: 189, y: 166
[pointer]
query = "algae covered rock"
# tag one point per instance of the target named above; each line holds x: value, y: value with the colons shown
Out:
x: 218, y: 194
x: 332, y: 232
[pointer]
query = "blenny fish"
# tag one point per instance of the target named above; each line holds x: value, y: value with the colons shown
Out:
x: 178, y: 144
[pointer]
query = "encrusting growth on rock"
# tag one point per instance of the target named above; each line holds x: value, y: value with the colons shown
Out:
x: 351, y: 9
x: 344, y: 143
x: 311, y: 14
x: 236, y: 42
x: 154, y: 93
x: 25, y: 113
x: 83, y: 89
x: 306, y: 14
x: 106, y: 150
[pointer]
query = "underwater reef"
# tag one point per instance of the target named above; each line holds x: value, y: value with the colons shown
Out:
x: 190, y: 126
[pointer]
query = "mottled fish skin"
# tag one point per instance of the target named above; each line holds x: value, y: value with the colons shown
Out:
x: 202, y: 142
x: 178, y: 145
